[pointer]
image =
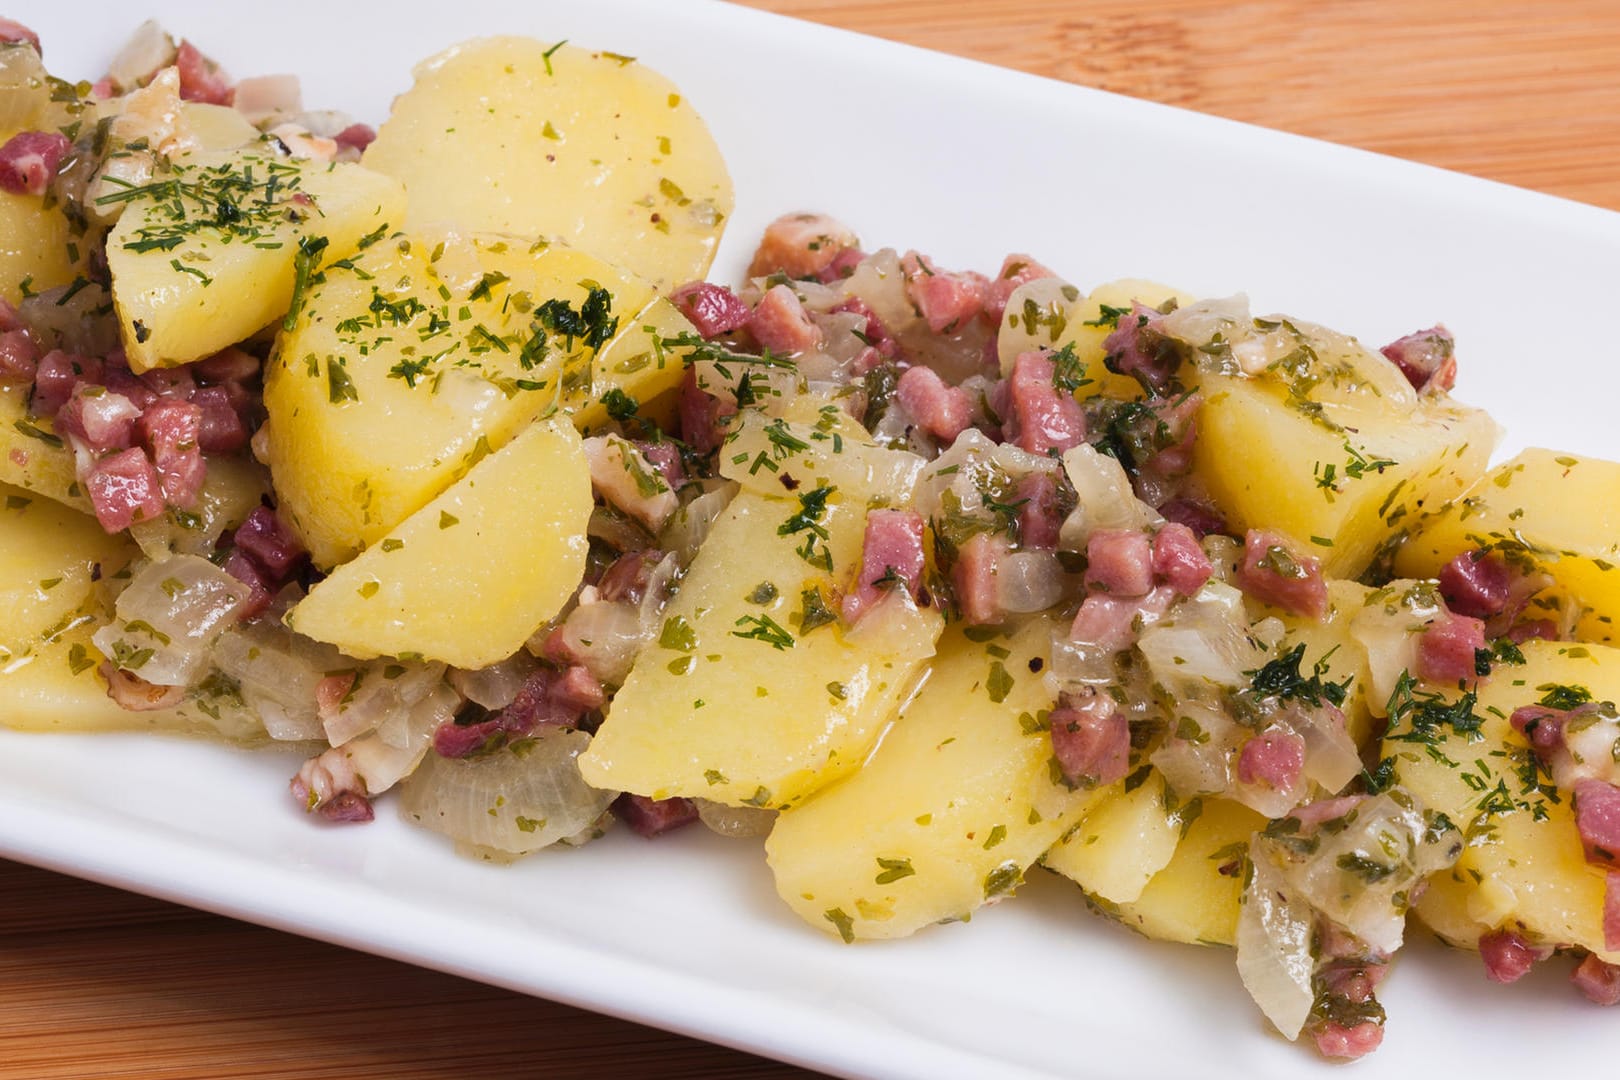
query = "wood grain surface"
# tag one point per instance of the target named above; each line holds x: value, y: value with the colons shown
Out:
x: 98, y: 983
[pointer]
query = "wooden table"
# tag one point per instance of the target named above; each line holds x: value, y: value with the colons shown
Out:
x: 98, y: 983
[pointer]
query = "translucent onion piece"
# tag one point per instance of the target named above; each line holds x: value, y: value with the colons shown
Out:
x: 1105, y: 498
x: 737, y: 821
x: 392, y: 752
x: 276, y: 673
x: 25, y: 96
x: 1201, y: 766
x: 689, y: 526
x: 517, y: 800
x: 494, y: 687
x: 1207, y: 639
x: 606, y: 638
x: 384, y: 698
x: 878, y: 282
x: 1331, y: 758
x: 1274, y: 947
x: 80, y: 322
x: 1029, y: 581
x: 1387, y: 626
x: 147, y: 49
x: 167, y: 620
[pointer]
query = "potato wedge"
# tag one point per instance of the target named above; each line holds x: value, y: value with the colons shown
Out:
x: 508, y: 135
x: 1523, y: 867
x: 420, y: 355
x: 1125, y: 839
x: 208, y: 252
x: 1195, y: 898
x: 469, y: 577
x: 947, y: 813
x: 1543, y: 511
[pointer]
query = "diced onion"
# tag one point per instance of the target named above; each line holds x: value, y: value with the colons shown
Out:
x: 516, y: 800
x: 276, y: 672
x: 386, y: 698
x: 168, y: 618
x: 1029, y: 581
x: 148, y: 48
x: 1274, y: 947
x: 738, y: 821
x: 494, y: 687
x: 689, y: 526
x: 1104, y: 498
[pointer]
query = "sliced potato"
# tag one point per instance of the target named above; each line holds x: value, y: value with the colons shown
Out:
x: 207, y: 253
x: 469, y: 577
x: 1523, y: 867
x: 421, y: 355
x: 1125, y: 840
x: 735, y: 703
x: 950, y: 810
x: 1195, y: 898
x: 32, y: 455
x: 1543, y: 511
x: 508, y: 135
x: 34, y: 247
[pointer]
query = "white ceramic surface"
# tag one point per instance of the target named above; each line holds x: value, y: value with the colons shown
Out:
x: 966, y: 162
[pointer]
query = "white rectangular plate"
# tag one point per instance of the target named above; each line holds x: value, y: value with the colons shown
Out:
x: 967, y: 163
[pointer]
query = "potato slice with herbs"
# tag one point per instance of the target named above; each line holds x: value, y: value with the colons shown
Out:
x: 1544, y: 511
x: 507, y: 135
x: 1523, y: 868
x: 1126, y: 838
x: 950, y: 810
x: 35, y: 247
x: 32, y: 454
x: 215, y: 247
x: 473, y: 574
x: 411, y: 361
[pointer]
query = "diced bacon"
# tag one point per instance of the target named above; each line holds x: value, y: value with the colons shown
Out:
x: 713, y: 309
x: 973, y: 578
x: 625, y: 479
x: 1507, y: 956
x: 842, y: 266
x: 891, y: 555
x: 1274, y: 758
x: 1321, y: 811
x: 1110, y: 624
x: 1045, y: 419
x: 1545, y: 629
x: 653, y: 817
x: 347, y: 808
x: 801, y: 245
x: 169, y: 431
x: 171, y: 384
x: 29, y: 159
x: 1015, y: 270
x: 99, y: 418
x: 702, y: 415
x: 123, y: 489
x: 876, y: 332
x: 1276, y: 571
x: 945, y: 299
x: 13, y: 32
x: 780, y: 323
x: 9, y: 319
x: 1039, y: 518
x: 943, y: 410
x: 1427, y: 358
x: 1597, y: 817
x: 201, y: 79
x: 19, y: 358
x: 1179, y: 560
x: 1203, y: 520
x: 255, y: 577
x: 116, y: 376
x: 628, y: 577
x: 1599, y: 981
x: 1144, y: 357
x: 228, y: 365
x: 1346, y: 969
x: 1090, y: 738
x: 135, y: 694
x: 328, y: 784
x: 1447, y: 646
x: 1119, y: 562
x: 221, y: 430
x: 666, y: 458
x: 270, y: 543
x: 1175, y: 430
x: 356, y: 137
x: 1476, y: 583
x: 1335, y: 1040
x: 546, y: 699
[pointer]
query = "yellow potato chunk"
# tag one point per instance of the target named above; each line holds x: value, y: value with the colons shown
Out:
x: 1544, y: 511
x: 34, y: 252
x: 1195, y: 898
x: 208, y: 252
x: 1523, y: 867
x: 419, y: 356
x: 469, y: 577
x: 1338, y: 478
x: 508, y: 135
x: 32, y: 455
x: 949, y: 811
x: 737, y: 702
x: 1122, y: 843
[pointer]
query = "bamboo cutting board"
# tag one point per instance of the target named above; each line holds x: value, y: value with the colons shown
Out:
x: 99, y: 983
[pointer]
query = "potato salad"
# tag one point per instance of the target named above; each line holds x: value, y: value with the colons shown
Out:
x: 428, y: 450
